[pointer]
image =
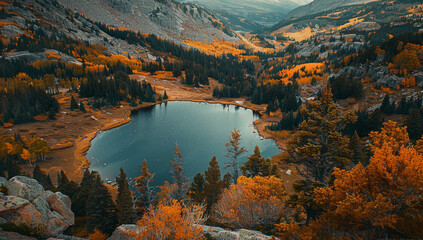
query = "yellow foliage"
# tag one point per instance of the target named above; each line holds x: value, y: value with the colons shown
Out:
x: 97, y: 235
x: 52, y: 55
x: 216, y: 48
x: 392, y: 134
x: 251, y: 202
x: 173, y: 221
x: 306, y: 73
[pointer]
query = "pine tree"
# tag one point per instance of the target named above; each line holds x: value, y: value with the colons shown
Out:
x: 13, y: 168
x: 227, y: 180
x: 79, y: 202
x: 256, y: 165
x: 196, y: 191
x: 165, y: 95
x: 73, y: 104
x: 101, y: 210
x: 124, y: 199
x: 319, y: 144
x: 213, y: 185
x: 359, y: 154
x: 320, y: 147
x: 145, y: 190
x: 178, y: 176
x: 42, y: 178
x: 66, y: 186
x: 82, y: 107
x: 386, y: 105
x: 234, y: 152
x: 414, y: 124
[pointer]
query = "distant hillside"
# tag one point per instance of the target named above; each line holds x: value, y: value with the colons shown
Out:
x: 380, y: 18
x: 164, y: 18
x: 318, y: 6
x: 249, y: 15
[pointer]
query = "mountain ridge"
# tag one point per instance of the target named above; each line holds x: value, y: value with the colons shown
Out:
x: 317, y: 6
x: 163, y: 18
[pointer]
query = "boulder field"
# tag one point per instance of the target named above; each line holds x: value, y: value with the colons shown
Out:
x: 26, y: 202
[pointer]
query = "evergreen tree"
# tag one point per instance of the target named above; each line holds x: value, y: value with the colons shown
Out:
x: 414, y: 125
x: 320, y: 147
x: 101, y: 209
x: 145, y: 190
x: 196, y: 191
x: 13, y: 168
x: 73, y: 104
x: 359, y: 154
x: 319, y: 144
x: 227, y: 180
x: 66, y: 186
x: 165, y: 95
x: 385, y: 108
x: 256, y: 165
x: 82, y: 107
x: 124, y: 199
x: 375, y: 121
x: 213, y: 185
x: 42, y: 178
x: 79, y: 201
x: 178, y: 176
x: 234, y: 152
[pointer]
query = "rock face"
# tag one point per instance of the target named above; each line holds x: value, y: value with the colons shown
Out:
x: 165, y: 18
x: 28, y: 203
x: 216, y: 233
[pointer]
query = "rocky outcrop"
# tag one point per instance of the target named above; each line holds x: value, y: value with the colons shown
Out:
x: 216, y: 233
x: 241, y: 234
x: 124, y: 232
x: 47, y: 213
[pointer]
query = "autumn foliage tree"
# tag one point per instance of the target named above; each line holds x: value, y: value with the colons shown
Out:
x: 172, y: 220
x: 252, y: 202
x: 381, y: 200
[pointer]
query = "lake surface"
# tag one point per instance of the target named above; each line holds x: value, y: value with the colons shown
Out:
x: 199, y: 129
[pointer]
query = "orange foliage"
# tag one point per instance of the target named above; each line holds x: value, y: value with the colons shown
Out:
x: 2, y: 24
x: 41, y: 118
x: 216, y: 48
x: 97, y: 235
x: 369, y: 202
x: 376, y: 195
x: 409, y: 81
x: 392, y: 134
x: 52, y: 55
x: 306, y: 72
x: 100, y: 59
x: 172, y: 220
x: 251, y: 202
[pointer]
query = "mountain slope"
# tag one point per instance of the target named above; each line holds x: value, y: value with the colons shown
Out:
x: 318, y: 6
x: 249, y: 14
x: 164, y: 18
x: 377, y: 18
